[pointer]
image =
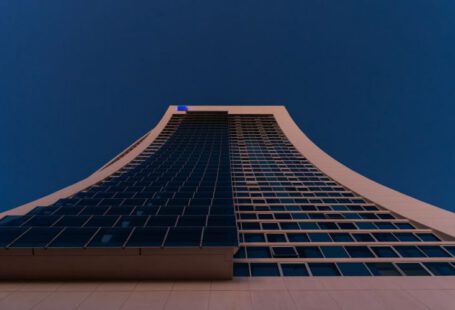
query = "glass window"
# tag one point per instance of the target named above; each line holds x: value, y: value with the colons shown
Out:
x: 276, y: 238
x: 404, y: 226
x: 72, y: 220
x: 250, y: 226
x: 384, y: 251
x: 359, y: 251
x: 298, y: 237
x: 131, y: 221
x: 265, y: 216
x: 36, y: 237
x: 406, y: 237
x: 264, y: 269
x: 270, y: 226
x: 323, y: 269
x: 100, y: 210
x: 241, y: 270
x: 441, y: 269
x: 147, y: 237
x: 385, y: 237
x: 347, y: 226
x: 365, y: 225
x: 162, y: 220
x: 254, y: 238
x: 428, y: 237
x: 68, y: 211
x: 73, y: 237
x: 42, y: 220
x: 110, y: 237
x: 412, y: 269
x: 220, y: 236
x: 383, y: 269
x: 192, y: 220
x: 241, y: 253
x: 289, y: 225
x: 409, y: 251
x: 363, y: 237
x: 308, y: 225
x: 9, y: 234
x: 309, y: 252
x: 327, y: 226
x: 341, y: 237
x: 333, y: 251
x: 101, y: 221
x: 183, y: 236
x: 284, y: 252
x: 319, y: 237
x: 385, y: 225
x: 353, y: 269
x: 258, y: 252
x: 434, y: 251
x: 292, y: 270
x: 451, y: 249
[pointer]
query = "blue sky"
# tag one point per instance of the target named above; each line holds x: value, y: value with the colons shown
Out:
x: 371, y: 82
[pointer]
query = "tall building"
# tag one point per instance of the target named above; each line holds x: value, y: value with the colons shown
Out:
x: 234, y: 192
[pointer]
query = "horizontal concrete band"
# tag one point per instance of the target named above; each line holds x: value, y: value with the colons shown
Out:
x: 116, y: 264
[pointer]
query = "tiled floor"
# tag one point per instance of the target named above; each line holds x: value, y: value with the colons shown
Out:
x: 387, y: 293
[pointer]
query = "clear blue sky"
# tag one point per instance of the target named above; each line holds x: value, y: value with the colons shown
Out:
x: 371, y: 82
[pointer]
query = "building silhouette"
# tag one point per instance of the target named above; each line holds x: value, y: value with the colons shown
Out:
x: 233, y: 192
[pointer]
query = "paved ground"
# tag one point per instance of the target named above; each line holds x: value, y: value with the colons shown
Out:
x: 242, y: 293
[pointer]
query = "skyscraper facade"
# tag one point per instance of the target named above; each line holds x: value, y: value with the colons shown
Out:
x: 222, y: 192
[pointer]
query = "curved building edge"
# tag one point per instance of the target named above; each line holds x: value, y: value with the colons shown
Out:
x: 404, y: 205
x: 103, y: 172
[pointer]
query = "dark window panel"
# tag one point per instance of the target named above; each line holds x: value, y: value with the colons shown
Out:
x: 241, y: 270
x: 298, y: 237
x: 162, y: 220
x: 42, y: 220
x: 428, y: 237
x: 264, y: 270
x: 319, y: 237
x: 409, y: 251
x: 36, y: 237
x: 333, y: 251
x: 412, y: 269
x: 276, y: 237
x: 284, y: 252
x: 110, y: 237
x: 220, y: 236
x: 14, y: 220
x: 323, y: 269
x: 434, y: 251
x: 359, y: 251
x: 9, y: 234
x: 384, y: 251
x: 383, y: 269
x: 241, y: 253
x: 131, y: 221
x: 147, y: 237
x: 73, y: 238
x: 258, y: 252
x: 353, y: 269
x: 101, y: 221
x: 72, y: 221
x: 294, y: 270
x: 309, y: 252
x: 441, y: 269
x: 183, y: 236
x: 254, y: 238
